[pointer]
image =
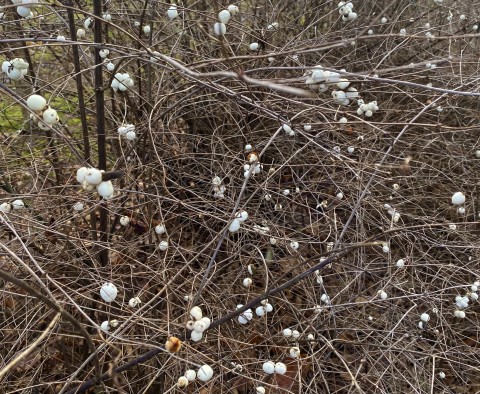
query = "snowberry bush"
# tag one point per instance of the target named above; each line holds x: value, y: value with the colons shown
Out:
x: 285, y: 194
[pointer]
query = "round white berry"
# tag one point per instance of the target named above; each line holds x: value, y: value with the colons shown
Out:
x: 458, y: 198
x: 182, y: 382
x: 191, y: 375
x: 14, y: 74
x: 199, y: 326
x: 81, y: 34
x: 6, y: 65
x: 206, y: 321
x: 269, y: 367
x: 5, y: 207
x: 196, y: 313
x: 242, y: 216
x: 247, y: 282
x: 280, y: 368
x: 234, y: 226
x: 50, y: 116
x: 219, y: 28
x: 160, y: 229
x: 24, y: 12
x: 287, y: 332
x: 104, y: 53
x: 294, y: 245
x: 18, y: 204
x: 105, y: 326
x: 205, y: 373
x: 108, y: 292
x: 425, y: 317
x: 124, y: 220
x: 224, y: 16
x: 245, y: 317
x: 92, y: 176
x: 131, y: 135
x: 233, y: 9
x: 105, y: 189
x: 36, y: 102
x: 196, y: 336
x: 134, y: 302
x: 81, y: 172
x: 294, y: 352
x: 260, y: 311
x: 172, y: 12
x: 88, y: 23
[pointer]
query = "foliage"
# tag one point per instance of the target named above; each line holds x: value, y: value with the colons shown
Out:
x: 361, y: 194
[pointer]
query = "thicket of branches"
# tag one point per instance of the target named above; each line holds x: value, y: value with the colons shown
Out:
x: 361, y: 192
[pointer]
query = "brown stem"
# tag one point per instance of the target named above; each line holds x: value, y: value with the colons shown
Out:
x: 100, y: 112
x: 52, y: 304
x: 229, y: 316
x: 78, y: 80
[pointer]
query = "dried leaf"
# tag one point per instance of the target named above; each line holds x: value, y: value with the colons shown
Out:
x: 297, y: 369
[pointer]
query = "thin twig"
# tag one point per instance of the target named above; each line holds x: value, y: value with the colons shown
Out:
x: 19, y: 357
x: 52, y: 304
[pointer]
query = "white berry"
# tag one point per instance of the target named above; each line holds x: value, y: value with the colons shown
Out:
x: 108, y: 292
x: 224, y: 16
x: 268, y: 367
x: 105, y: 189
x: 458, y: 198
x: 160, y: 229
x: 18, y: 204
x: 134, y: 302
x: 205, y: 373
x: 280, y: 368
x: 191, y: 375
x: 172, y: 12
x: 36, y: 102
x: 50, y: 116
x: 163, y: 246
x: 92, y: 176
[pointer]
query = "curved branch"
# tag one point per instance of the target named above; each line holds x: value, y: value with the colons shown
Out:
x: 229, y: 316
x: 52, y: 304
x: 29, y: 349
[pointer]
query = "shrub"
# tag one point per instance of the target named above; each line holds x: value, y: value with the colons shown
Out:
x: 328, y: 138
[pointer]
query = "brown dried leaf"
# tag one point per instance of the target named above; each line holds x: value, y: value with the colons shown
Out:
x: 297, y: 369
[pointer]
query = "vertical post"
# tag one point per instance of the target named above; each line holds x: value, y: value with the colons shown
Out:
x: 78, y: 80
x: 100, y: 112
